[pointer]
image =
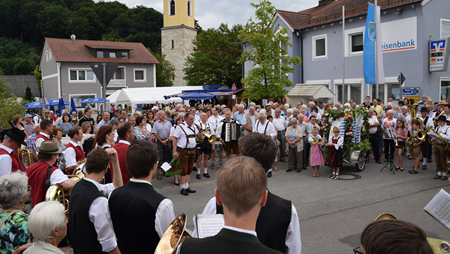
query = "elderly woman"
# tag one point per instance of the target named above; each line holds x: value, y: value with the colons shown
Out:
x: 47, y: 224
x: 14, y: 192
x: 294, y: 138
x: 141, y: 131
x: 388, y: 126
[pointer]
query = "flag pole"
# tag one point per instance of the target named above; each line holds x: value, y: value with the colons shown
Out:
x: 376, y: 48
x: 343, y: 52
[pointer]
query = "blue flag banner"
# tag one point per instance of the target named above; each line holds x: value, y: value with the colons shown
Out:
x: 372, y: 34
x: 72, y: 106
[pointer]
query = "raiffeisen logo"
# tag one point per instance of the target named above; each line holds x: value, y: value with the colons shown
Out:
x: 399, y: 45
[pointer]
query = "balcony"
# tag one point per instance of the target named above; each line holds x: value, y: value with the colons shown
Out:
x: 117, y: 83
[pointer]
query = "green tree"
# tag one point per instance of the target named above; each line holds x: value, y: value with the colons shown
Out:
x: 53, y: 21
x: 86, y: 25
x: 9, y: 104
x: 271, y: 61
x: 165, y: 71
x: 28, y: 94
x: 215, y: 58
x: 38, y: 75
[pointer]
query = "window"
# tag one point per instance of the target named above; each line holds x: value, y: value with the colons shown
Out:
x: 445, y: 28
x: 445, y: 89
x: 172, y: 8
x: 81, y: 75
x: 124, y: 55
x: 356, y: 41
x: 189, y: 8
x: 319, y: 47
x: 284, y: 46
x: 112, y: 54
x: 119, y: 74
x: 173, y: 44
x: 100, y: 54
x: 139, y: 75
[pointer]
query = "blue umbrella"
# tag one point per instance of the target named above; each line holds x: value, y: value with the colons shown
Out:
x: 197, y: 96
x: 61, y: 106
x: 56, y: 102
x: 88, y: 100
x: 34, y: 105
x: 98, y: 100
x: 72, y: 106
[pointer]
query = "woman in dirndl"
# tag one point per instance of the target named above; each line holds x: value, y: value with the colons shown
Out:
x: 175, y: 163
x: 335, y: 154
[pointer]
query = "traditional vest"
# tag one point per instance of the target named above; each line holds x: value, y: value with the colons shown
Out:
x: 16, y: 163
x: 131, y: 205
x: 43, y: 137
x: 37, y: 175
x: 249, y: 122
x: 121, y: 149
x: 81, y: 231
x: 273, y: 222
x: 79, y: 154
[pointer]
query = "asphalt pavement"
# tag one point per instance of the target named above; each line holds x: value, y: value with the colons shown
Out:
x: 333, y: 213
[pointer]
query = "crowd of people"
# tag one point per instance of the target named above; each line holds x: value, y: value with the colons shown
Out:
x: 122, y: 153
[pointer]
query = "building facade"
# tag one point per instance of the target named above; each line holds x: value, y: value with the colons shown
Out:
x: 406, y: 27
x: 66, y: 72
x: 178, y: 34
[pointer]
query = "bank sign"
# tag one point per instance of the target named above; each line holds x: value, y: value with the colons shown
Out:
x: 399, y: 35
x: 438, y: 54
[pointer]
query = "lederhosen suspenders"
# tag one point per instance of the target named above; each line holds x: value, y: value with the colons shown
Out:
x: 188, y: 136
x: 265, y: 129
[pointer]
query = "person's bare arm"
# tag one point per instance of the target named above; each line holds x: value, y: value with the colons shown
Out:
x: 117, y: 179
x: 115, y: 251
x: 68, y: 184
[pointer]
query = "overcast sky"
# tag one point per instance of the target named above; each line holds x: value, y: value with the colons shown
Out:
x: 211, y: 13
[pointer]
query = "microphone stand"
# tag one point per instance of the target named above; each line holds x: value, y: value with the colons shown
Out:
x: 390, y: 164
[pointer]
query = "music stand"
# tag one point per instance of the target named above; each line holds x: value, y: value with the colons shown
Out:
x: 390, y: 164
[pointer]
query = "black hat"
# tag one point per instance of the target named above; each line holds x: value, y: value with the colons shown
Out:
x: 16, y: 134
x: 424, y: 109
x: 442, y: 118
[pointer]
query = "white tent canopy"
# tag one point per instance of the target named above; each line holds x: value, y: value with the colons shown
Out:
x: 147, y: 95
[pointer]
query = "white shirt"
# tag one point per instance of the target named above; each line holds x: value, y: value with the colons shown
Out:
x: 445, y: 133
x: 57, y: 176
x: 70, y: 155
x: 279, y: 123
x: 429, y: 123
x: 293, y: 240
x: 245, y: 231
x: 197, y: 118
x: 215, y: 121
x: 260, y: 127
x: 340, y: 142
x: 205, y: 126
x: 181, y: 135
x: 373, y: 120
x: 39, y: 141
x: 101, y: 218
x: 5, y: 161
x: 164, y: 214
x: 310, y: 138
x: 36, y: 119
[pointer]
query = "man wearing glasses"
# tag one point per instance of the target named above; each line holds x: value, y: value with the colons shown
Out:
x: 87, y: 118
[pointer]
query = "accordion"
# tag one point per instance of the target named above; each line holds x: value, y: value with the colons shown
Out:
x: 232, y: 131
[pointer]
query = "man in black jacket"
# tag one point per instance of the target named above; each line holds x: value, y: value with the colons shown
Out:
x: 241, y: 190
x: 277, y: 226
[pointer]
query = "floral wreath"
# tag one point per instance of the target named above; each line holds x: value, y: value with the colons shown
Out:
x: 349, y: 114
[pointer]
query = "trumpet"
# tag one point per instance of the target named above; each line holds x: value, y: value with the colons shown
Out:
x: 211, y: 138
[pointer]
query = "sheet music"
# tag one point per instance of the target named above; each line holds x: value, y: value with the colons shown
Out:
x: 439, y: 208
x: 209, y: 224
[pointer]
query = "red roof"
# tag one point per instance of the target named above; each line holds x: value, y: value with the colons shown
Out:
x: 66, y: 50
x: 331, y: 11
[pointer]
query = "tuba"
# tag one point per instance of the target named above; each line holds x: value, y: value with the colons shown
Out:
x: 438, y: 142
x: 58, y: 193
x: 174, y: 236
x: 413, y: 114
x: 24, y: 156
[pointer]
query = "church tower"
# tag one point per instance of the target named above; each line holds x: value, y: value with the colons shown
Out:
x: 178, y: 34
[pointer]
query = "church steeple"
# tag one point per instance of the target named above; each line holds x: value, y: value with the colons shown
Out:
x: 179, y: 12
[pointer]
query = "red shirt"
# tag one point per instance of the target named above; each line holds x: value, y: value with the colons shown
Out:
x: 121, y: 149
x: 37, y: 175
x: 15, y: 161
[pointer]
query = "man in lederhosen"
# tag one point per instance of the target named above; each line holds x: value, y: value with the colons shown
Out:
x: 204, y: 149
x: 184, y: 148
